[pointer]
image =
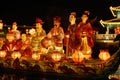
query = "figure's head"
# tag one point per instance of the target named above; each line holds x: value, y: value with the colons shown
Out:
x: 57, y: 20
x: 72, y: 17
x: 14, y: 26
x: 27, y: 31
x: 39, y: 23
x: 1, y: 24
x: 85, y: 16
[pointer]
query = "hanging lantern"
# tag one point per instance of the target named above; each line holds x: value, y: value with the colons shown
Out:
x: 36, y: 56
x: 2, y: 53
x: 78, y: 56
x: 16, y: 54
x: 56, y: 56
x: 104, y: 55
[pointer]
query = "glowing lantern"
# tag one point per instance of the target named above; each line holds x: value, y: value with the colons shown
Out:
x: 56, y: 56
x: 16, y: 54
x: 36, y: 56
x: 117, y: 30
x: 78, y: 56
x: 104, y: 55
x: 2, y: 53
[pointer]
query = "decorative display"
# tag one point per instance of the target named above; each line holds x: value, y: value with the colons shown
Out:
x: 47, y: 56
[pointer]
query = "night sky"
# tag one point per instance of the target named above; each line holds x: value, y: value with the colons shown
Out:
x: 25, y: 12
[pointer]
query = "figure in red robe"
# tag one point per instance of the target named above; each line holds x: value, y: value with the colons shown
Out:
x: 84, y: 26
x: 69, y: 40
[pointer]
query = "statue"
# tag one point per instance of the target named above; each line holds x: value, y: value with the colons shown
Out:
x: 84, y: 26
x: 40, y: 32
x: 69, y: 39
x: 15, y: 31
x: 11, y: 44
x: 57, y: 34
x: 84, y: 36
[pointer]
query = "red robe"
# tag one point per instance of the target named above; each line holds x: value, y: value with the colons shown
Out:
x: 12, y: 46
x: 71, y: 40
x: 89, y: 32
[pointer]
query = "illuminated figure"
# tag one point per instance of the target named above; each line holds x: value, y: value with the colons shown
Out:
x: 84, y: 36
x: 37, y: 35
x: 11, y: 44
x: 25, y: 41
x: 15, y: 31
x: 84, y: 26
x: 26, y: 45
x: 70, y: 34
x: 57, y: 33
x: 40, y: 32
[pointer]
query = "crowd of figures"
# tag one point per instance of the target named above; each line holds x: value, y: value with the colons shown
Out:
x: 36, y: 39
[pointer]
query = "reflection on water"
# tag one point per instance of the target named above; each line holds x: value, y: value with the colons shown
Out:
x: 16, y: 77
x: 19, y: 77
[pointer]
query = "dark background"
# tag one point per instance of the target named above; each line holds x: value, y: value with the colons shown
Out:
x: 25, y: 12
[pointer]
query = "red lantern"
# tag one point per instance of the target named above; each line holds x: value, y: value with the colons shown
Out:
x: 78, y: 56
x: 104, y: 55
x: 16, y: 54
x: 36, y: 56
x: 117, y: 30
x: 2, y: 53
x: 56, y: 56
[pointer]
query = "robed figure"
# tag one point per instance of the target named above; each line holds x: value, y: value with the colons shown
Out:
x: 69, y: 40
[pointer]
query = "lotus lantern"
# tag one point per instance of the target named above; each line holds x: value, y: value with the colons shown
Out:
x: 36, y: 56
x: 78, y: 56
x: 104, y: 55
x: 2, y: 53
x: 56, y: 56
x: 16, y: 54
